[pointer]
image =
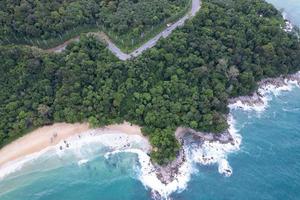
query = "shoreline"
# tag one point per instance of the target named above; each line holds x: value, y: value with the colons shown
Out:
x: 258, y: 100
x: 208, y: 148
x: 61, y: 138
x: 198, y: 148
x: 161, y: 180
x: 52, y: 135
x: 289, y: 27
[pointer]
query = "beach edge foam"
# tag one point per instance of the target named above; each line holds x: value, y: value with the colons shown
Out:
x: 205, y: 148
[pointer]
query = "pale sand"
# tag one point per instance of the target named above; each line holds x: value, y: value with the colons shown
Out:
x: 126, y: 128
x: 47, y: 136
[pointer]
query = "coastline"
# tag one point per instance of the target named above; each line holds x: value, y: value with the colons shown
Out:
x: 52, y: 135
x: 289, y: 27
x: 197, y: 147
x: 258, y: 100
x: 207, y: 148
x: 62, y: 138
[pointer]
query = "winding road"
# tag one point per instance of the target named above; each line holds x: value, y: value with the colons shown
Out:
x: 196, y: 5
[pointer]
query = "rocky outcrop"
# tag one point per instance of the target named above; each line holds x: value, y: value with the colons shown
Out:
x: 186, y: 137
x: 264, y: 86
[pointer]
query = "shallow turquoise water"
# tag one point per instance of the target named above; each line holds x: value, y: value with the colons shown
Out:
x: 267, y: 167
x: 98, y: 179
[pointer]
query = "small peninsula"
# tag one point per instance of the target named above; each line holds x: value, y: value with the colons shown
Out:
x: 186, y: 80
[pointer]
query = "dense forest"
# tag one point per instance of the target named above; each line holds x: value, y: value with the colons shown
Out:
x: 185, y: 80
x: 23, y: 21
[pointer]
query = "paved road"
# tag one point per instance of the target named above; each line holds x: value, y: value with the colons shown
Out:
x: 196, y: 5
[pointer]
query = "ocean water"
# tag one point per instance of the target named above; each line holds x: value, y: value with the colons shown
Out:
x: 99, y: 179
x: 266, y: 167
x: 268, y: 164
x: 290, y: 7
x: 84, y: 172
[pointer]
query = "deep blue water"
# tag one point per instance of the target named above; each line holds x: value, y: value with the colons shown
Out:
x: 266, y: 168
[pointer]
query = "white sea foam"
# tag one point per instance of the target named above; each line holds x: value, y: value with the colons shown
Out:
x: 275, y: 90
x: 148, y: 177
x: 18, y: 164
x: 208, y: 154
x: 260, y: 102
x: 291, y: 110
x: 288, y: 24
x: 216, y: 152
x: 82, y: 162
x: 81, y: 148
x: 259, y: 106
x: 85, y: 144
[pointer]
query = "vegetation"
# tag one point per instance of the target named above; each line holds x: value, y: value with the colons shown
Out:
x: 45, y: 23
x: 185, y: 80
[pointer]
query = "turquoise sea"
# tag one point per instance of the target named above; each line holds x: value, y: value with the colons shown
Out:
x: 267, y: 166
x: 290, y: 7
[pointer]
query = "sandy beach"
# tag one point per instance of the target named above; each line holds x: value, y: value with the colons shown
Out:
x: 46, y: 136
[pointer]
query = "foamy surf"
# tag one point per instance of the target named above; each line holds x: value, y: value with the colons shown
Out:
x: 147, y: 175
x: 17, y: 165
x: 209, y: 153
x: 85, y: 146
x: 82, y: 162
x: 289, y: 27
x: 255, y: 103
x: 259, y: 101
x: 80, y: 149
x: 216, y: 152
